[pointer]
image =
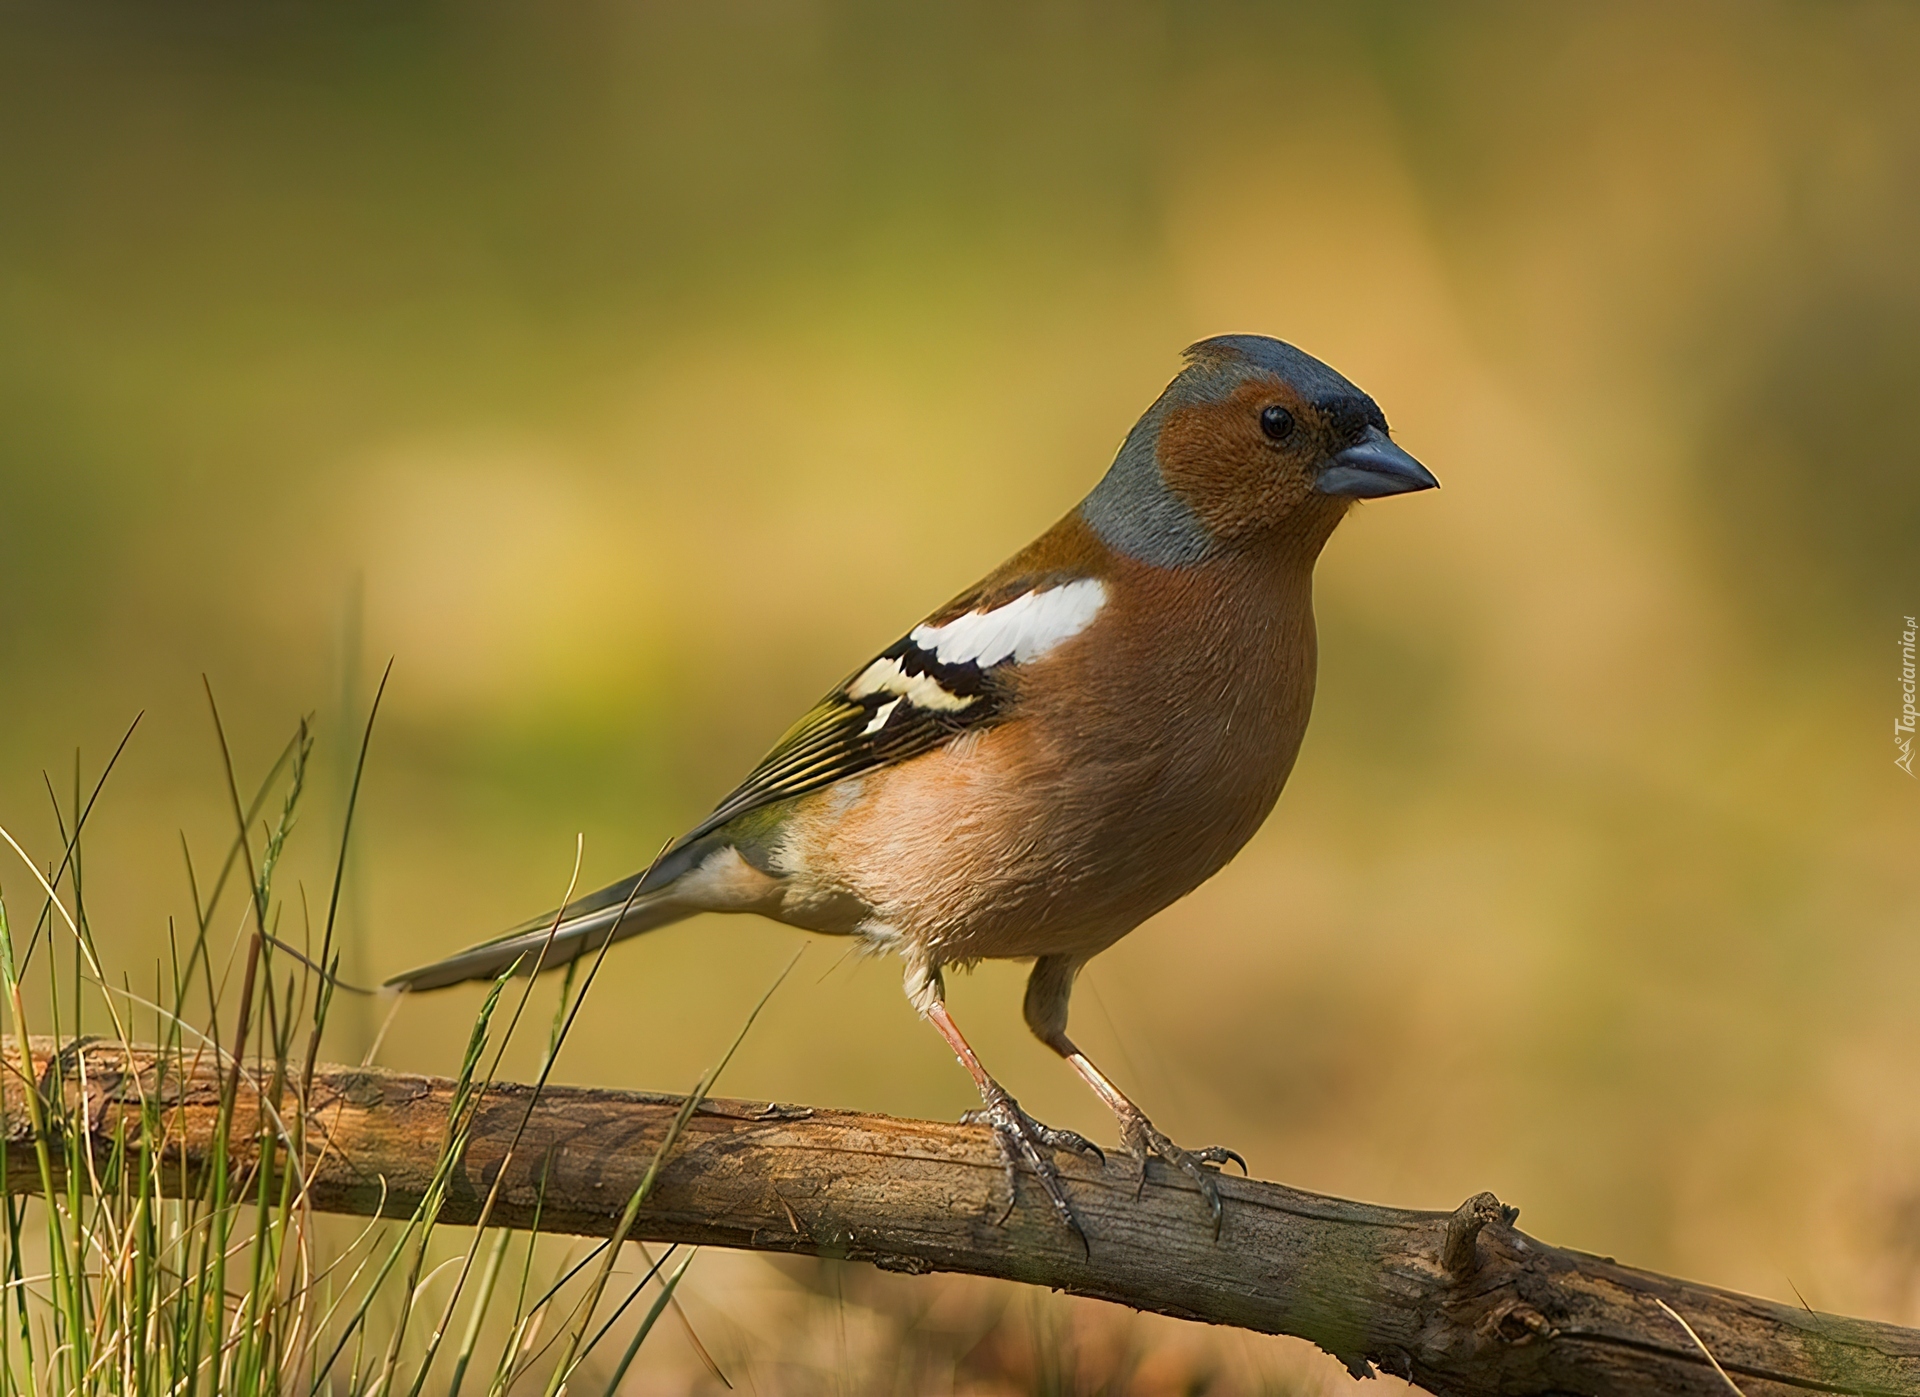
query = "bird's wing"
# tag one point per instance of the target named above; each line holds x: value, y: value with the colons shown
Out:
x: 949, y: 675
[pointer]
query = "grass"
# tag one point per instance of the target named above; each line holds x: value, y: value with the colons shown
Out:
x: 119, y: 1273
x: 126, y: 1275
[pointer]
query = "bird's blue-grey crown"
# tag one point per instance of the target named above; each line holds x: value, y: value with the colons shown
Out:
x: 1133, y: 509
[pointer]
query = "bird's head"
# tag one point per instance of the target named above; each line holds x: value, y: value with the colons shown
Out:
x: 1254, y: 439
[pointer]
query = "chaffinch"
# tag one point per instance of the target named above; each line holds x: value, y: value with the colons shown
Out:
x: 1063, y: 749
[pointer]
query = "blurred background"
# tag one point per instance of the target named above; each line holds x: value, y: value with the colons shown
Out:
x: 629, y: 373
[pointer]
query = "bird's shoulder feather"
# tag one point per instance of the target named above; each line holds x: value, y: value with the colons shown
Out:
x: 950, y: 675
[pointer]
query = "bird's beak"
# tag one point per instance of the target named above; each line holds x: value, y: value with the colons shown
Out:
x: 1371, y: 467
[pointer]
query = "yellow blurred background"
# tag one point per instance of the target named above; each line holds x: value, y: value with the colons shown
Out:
x: 629, y: 373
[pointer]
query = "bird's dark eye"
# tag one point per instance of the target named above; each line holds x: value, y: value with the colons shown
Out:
x: 1277, y: 423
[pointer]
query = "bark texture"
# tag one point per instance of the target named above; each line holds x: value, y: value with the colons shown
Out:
x: 1460, y: 1302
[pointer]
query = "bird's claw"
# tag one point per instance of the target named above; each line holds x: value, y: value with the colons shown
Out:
x: 1144, y: 1142
x: 1024, y: 1140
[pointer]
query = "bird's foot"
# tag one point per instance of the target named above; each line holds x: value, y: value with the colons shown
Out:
x: 1022, y: 1139
x: 1144, y: 1142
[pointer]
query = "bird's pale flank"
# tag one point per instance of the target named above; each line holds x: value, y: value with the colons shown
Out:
x: 1065, y: 748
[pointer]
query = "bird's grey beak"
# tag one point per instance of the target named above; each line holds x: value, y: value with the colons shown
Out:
x: 1371, y: 467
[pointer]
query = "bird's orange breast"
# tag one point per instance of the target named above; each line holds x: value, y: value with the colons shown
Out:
x: 1143, y: 754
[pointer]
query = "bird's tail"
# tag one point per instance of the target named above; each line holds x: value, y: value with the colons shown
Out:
x: 626, y: 908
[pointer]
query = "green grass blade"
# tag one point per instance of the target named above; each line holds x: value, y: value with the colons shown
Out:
x: 646, y: 1325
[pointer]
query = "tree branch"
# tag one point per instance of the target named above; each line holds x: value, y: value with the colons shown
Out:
x: 1460, y: 1303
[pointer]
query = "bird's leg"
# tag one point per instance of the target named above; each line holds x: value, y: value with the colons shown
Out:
x: 1021, y: 1138
x: 1046, y: 1013
x: 1144, y: 1140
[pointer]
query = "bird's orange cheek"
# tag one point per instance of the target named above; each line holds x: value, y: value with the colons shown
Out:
x: 1215, y: 460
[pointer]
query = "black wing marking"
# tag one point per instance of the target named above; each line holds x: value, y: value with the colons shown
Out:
x: 904, y: 703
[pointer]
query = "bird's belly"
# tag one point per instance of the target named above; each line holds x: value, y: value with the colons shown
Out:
x: 992, y: 848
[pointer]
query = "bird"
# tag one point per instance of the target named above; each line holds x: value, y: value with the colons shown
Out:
x: 1061, y: 751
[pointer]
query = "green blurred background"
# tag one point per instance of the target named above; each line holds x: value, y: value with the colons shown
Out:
x: 628, y: 373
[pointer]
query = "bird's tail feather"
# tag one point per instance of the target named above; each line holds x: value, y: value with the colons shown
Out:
x: 626, y: 908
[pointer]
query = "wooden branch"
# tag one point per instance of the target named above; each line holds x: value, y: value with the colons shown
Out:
x: 1460, y: 1303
